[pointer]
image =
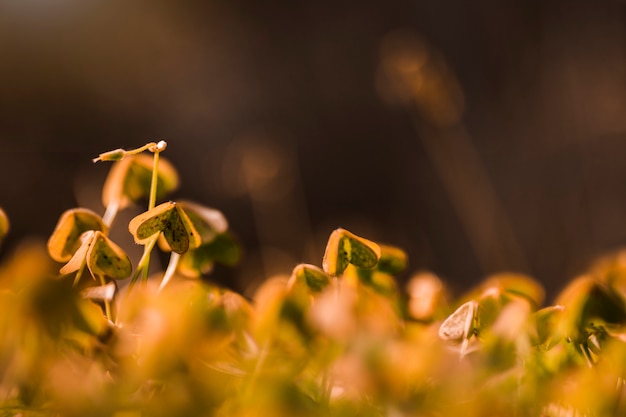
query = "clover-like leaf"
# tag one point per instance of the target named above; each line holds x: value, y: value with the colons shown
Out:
x: 345, y: 248
x: 129, y: 180
x: 65, y: 238
x: 222, y: 249
x: 309, y: 276
x: 171, y: 220
x: 102, y: 256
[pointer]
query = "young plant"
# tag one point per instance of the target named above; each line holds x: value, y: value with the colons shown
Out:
x: 342, y: 339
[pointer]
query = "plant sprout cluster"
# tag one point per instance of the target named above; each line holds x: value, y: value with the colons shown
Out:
x: 83, y: 331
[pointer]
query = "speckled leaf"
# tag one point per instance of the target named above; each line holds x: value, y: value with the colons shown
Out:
x: 65, y: 238
x: 345, y: 248
x: 106, y: 258
x: 102, y: 256
x: 129, y: 180
x: 171, y: 220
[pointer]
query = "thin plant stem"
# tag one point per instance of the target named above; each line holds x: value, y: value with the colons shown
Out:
x: 143, y: 264
x: 151, y: 205
x: 153, y: 182
x: 111, y: 212
x: 171, y: 268
x: 107, y: 303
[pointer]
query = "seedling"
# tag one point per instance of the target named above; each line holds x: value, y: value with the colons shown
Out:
x: 344, y: 248
x: 338, y: 340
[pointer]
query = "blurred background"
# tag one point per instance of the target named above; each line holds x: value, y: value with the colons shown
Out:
x: 480, y: 136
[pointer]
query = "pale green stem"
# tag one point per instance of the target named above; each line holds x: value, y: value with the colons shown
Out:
x: 151, y: 204
x: 107, y: 303
x: 110, y: 213
x: 171, y: 268
x: 144, y: 262
x: 153, y: 183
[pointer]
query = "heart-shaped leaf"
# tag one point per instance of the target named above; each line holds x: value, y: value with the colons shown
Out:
x: 310, y: 277
x: 170, y: 219
x: 129, y: 180
x: 345, y: 248
x: 65, y: 238
x: 102, y: 256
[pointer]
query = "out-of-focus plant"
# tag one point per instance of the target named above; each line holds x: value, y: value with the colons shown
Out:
x: 84, y: 331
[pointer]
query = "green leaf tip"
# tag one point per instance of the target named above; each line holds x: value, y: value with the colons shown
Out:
x: 345, y: 248
x: 309, y: 276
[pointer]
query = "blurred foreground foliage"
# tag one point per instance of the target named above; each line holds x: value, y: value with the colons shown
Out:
x: 337, y: 340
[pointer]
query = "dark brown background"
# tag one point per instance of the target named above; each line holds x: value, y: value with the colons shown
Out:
x: 289, y: 88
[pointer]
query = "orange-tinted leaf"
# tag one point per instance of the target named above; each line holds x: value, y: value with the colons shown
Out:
x: 129, y: 180
x: 65, y: 238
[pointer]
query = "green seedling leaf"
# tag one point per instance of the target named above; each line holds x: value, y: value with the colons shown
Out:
x: 345, y: 248
x: 222, y: 249
x: 129, y: 180
x: 507, y: 286
x: 65, y: 238
x: 546, y: 321
x: 170, y: 219
x: 393, y: 260
x: 208, y: 222
x: 309, y: 276
x: 4, y: 225
x: 102, y: 256
x: 587, y: 300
